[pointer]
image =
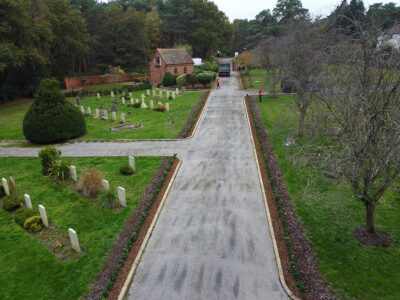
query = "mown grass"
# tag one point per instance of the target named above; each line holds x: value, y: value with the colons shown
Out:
x: 330, y: 214
x: 28, y: 269
x: 12, y: 114
x: 260, y: 80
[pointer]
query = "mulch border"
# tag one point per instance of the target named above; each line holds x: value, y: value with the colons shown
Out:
x: 190, y: 124
x: 107, y: 283
x: 306, y: 264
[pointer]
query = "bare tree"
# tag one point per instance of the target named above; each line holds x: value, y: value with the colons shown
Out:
x: 304, y: 48
x: 362, y: 96
x: 271, y: 59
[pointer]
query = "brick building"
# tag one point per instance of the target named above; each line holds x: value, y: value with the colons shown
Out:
x: 176, y: 61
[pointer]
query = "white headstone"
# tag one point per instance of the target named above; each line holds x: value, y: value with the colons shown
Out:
x: 121, y: 196
x: 148, y: 92
x: 74, y: 240
x: 97, y: 112
x: 177, y: 91
x: 158, y: 103
x: 132, y: 163
x: 82, y: 109
x: 130, y: 94
x: 160, y: 93
x: 106, y: 184
x: 5, y: 186
x: 137, y: 100
x: 123, y: 100
x: 105, y: 114
x: 123, y: 118
x: 89, y: 111
x: 114, y: 116
x: 173, y: 95
x: 167, y: 94
x: 167, y: 106
x: 28, y: 201
x: 112, y: 94
x: 151, y: 104
x: 43, y: 214
x: 73, y: 173
x: 143, y: 105
x: 98, y: 96
x: 143, y: 96
x: 132, y: 101
x: 154, y: 93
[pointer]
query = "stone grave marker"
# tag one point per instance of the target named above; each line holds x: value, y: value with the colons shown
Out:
x: 173, y: 96
x: 122, y: 196
x: 114, y: 116
x: 89, y: 111
x: 78, y: 103
x: 132, y: 101
x: 151, y: 104
x: 28, y: 201
x: 5, y: 186
x: 130, y: 94
x: 106, y: 184
x: 137, y: 100
x: 132, y: 163
x: 123, y: 94
x: 160, y: 93
x: 105, y: 114
x: 82, y: 109
x: 96, y: 113
x: 148, y: 92
x: 123, y: 118
x: 167, y: 106
x: 98, y: 96
x: 123, y: 100
x: 112, y: 94
x: 177, y: 91
x: 167, y: 94
x: 43, y: 214
x: 13, y: 187
x: 74, y: 176
x: 74, y: 240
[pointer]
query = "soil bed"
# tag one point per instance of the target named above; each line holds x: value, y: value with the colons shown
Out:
x: 307, y: 264
x: 380, y: 239
x: 103, y: 278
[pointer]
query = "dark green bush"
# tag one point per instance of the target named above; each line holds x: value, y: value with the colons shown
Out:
x: 59, y: 170
x: 135, y: 77
x: 191, y: 79
x: 126, y: 170
x: 22, y: 214
x: 205, y: 78
x: 2, y: 192
x: 136, y: 105
x: 10, y: 203
x: 168, y: 79
x: 48, y: 156
x: 33, y: 224
x: 108, y: 199
x: 51, y: 118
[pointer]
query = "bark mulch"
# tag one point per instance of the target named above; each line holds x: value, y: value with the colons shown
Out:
x: 115, y: 254
x: 189, y: 126
x: 307, y: 264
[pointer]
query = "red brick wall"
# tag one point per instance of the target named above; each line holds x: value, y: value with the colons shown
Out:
x: 76, y: 82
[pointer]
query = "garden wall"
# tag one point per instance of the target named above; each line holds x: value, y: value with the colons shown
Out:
x: 76, y: 82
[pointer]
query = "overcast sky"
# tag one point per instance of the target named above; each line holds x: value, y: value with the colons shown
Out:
x: 248, y: 9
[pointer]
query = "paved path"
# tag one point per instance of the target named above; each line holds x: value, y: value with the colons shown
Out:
x: 212, y: 238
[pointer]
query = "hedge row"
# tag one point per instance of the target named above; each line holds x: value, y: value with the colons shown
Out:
x: 295, y: 270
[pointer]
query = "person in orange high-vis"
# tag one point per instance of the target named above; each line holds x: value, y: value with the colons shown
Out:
x: 260, y: 93
x: 218, y: 83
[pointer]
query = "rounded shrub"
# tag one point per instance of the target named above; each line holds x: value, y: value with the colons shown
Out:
x: 168, y: 79
x: 33, y: 224
x: 48, y: 156
x: 126, y: 170
x: 51, y: 118
x: 191, y: 79
x: 22, y: 214
x: 10, y: 203
x: 205, y: 78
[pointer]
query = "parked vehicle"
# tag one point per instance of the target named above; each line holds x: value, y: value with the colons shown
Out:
x: 224, y: 69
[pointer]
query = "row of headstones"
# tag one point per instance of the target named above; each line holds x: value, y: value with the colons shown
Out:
x: 160, y: 94
x: 42, y: 211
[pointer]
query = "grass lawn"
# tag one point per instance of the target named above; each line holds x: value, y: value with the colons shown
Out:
x: 12, y: 114
x: 260, y: 80
x: 28, y: 269
x: 330, y: 215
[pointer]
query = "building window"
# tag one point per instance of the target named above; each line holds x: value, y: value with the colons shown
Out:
x: 176, y: 70
x: 184, y: 70
x: 157, y: 61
